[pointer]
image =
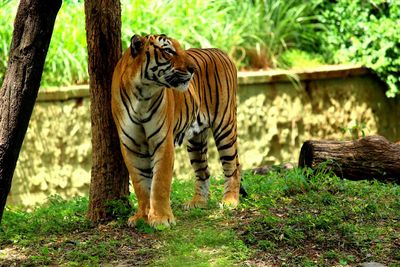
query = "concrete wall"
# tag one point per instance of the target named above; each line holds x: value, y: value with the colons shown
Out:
x: 275, y: 116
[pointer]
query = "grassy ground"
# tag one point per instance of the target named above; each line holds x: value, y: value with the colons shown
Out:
x: 290, y: 218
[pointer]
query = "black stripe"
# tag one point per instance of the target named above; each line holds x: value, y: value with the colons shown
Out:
x: 156, y: 131
x: 154, y: 109
x: 232, y: 174
x: 146, y: 69
x: 137, y: 154
x: 197, y: 161
x: 129, y: 137
x: 228, y: 158
x: 201, y: 150
x: 148, y: 176
x: 203, y: 179
x: 124, y: 94
x: 201, y: 169
x: 145, y: 171
x: 158, y: 146
x: 200, y: 55
x: 217, y: 83
x: 196, y: 144
x: 177, y: 126
x: 124, y: 132
x: 217, y: 130
x: 186, y: 108
x: 219, y: 138
x: 157, y: 59
x: 227, y: 146
x: 196, y: 77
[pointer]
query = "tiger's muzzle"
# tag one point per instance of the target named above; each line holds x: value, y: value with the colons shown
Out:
x: 180, y: 80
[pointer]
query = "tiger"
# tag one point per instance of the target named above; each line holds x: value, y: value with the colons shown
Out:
x: 161, y: 96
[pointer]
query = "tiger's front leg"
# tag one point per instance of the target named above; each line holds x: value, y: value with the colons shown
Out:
x: 140, y: 171
x: 160, y: 206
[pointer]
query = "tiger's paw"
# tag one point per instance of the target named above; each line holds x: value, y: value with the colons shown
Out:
x: 230, y: 201
x: 196, y: 202
x: 132, y: 221
x: 158, y: 220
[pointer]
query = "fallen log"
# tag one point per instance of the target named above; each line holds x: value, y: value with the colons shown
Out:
x: 372, y: 157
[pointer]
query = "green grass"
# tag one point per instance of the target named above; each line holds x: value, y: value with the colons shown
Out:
x: 56, y: 217
x: 325, y: 220
x: 290, y: 217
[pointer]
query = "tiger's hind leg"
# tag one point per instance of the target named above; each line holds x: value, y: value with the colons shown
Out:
x: 226, y: 142
x: 197, y: 149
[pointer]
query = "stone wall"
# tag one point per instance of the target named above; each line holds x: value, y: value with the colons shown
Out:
x: 277, y: 112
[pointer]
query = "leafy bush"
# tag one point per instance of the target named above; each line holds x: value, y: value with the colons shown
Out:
x: 66, y: 61
x: 256, y: 34
x: 195, y: 23
x: 246, y: 30
x: 6, y: 17
x: 363, y: 32
x: 281, y: 25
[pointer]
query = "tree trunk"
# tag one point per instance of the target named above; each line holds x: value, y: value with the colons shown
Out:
x: 372, y: 157
x: 33, y: 28
x: 109, y: 179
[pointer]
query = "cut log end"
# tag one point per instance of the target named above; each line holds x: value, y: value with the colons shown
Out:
x: 372, y: 157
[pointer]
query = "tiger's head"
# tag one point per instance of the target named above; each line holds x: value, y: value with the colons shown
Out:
x: 162, y: 62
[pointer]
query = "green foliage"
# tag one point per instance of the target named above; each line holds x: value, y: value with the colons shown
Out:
x: 7, y: 13
x: 66, y: 61
x: 243, y: 29
x: 254, y: 33
x: 363, y: 32
x: 57, y: 216
x: 355, y: 130
x: 144, y: 227
x: 4, y: 2
x: 119, y: 209
x: 280, y: 25
x: 189, y: 21
x: 296, y: 58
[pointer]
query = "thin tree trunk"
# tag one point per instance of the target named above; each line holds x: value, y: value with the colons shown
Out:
x: 110, y: 180
x: 33, y: 28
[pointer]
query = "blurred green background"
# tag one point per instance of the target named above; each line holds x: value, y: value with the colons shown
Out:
x: 257, y: 34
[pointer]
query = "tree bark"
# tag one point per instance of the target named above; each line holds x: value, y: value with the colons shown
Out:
x: 109, y: 178
x: 371, y: 157
x: 33, y: 28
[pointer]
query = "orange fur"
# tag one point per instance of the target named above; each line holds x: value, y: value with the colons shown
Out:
x: 161, y: 95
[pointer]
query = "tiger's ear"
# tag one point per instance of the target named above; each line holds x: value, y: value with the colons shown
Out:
x: 136, y: 44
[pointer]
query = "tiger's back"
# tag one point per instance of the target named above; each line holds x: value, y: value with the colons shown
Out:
x: 216, y: 81
x: 212, y: 89
x: 215, y: 84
